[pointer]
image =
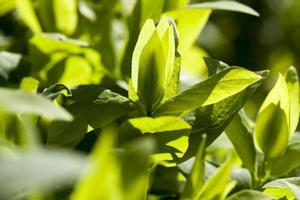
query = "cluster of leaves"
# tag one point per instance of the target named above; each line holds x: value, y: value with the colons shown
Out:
x: 111, y: 117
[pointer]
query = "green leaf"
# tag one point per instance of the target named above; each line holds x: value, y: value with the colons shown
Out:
x: 102, y: 171
x: 249, y: 194
x: 97, y: 108
x: 291, y: 156
x: 292, y: 81
x: 28, y: 16
x: 290, y: 183
x: 195, y: 179
x: 239, y: 131
x: 218, y: 87
x: 175, y: 4
x: 214, y: 66
x: 148, y: 67
x: 143, y: 10
x: 8, y: 62
x: 22, y: 172
x: 170, y: 133
x: 29, y: 84
x: 19, y: 102
x: 54, y: 90
x: 272, y: 124
x: 65, y: 12
x: 216, y: 185
x: 226, y: 5
x: 18, y: 132
x: 213, y: 119
x: 7, y: 6
x: 115, y: 176
x: 190, y: 23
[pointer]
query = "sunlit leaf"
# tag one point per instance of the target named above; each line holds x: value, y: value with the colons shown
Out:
x: 170, y: 133
x: 272, y: 124
x: 65, y: 12
x: 216, y: 88
x: 28, y: 16
x: 292, y: 81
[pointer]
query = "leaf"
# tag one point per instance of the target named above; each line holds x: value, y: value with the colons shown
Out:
x: 28, y: 16
x: 8, y: 63
x: 102, y: 169
x: 115, y: 176
x: 7, y: 6
x: 213, y: 119
x: 249, y: 194
x: 239, y: 131
x: 243, y: 178
x: 272, y: 123
x: 290, y: 183
x: 226, y: 5
x: 148, y: 67
x: 38, y: 171
x: 216, y: 88
x: 195, y: 179
x: 65, y: 12
x: 97, y: 108
x: 19, y: 102
x: 190, y: 23
x: 292, y: 81
x: 291, y: 156
x: 54, y: 90
x: 29, y: 84
x: 143, y: 10
x: 215, y: 186
x: 170, y: 133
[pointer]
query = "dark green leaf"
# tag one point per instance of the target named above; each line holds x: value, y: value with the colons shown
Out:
x: 97, y: 108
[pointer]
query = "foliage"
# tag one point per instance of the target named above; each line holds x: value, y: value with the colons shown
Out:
x: 96, y: 107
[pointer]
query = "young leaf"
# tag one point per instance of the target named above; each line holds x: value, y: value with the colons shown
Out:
x: 195, y: 179
x: 292, y: 81
x: 148, y: 68
x: 272, y: 124
x: 19, y: 102
x: 216, y: 88
x: 143, y: 10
